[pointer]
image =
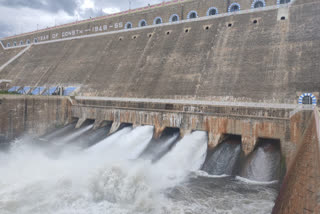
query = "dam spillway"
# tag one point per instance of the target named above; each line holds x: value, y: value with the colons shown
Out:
x: 91, y: 121
x: 110, y: 177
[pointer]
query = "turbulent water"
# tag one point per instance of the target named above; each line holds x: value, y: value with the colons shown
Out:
x: 111, y: 178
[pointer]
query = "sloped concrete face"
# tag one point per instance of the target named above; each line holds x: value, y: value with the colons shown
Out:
x: 300, y: 192
x: 6, y: 55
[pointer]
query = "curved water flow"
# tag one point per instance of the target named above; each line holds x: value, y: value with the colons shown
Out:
x: 74, y: 135
x: 224, y: 159
x: 92, y: 137
x: 104, y: 145
x: 263, y: 164
x: 59, y: 132
x: 126, y: 144
x: 158, y: 148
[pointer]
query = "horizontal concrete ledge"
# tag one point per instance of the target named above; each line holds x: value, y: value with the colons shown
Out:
x: 4, y: 80
x: 37, y: 97
x: 195, y: 102
x: 225, y: 115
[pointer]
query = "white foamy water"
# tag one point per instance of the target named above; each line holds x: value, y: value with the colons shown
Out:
x: 103, y: 179
x: 109, y: 178
x: 187, y: 155
x: 246, y: 180
x: 205, y: 174
x: 128, y: 143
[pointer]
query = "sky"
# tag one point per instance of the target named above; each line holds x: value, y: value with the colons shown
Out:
x: 20, y: 16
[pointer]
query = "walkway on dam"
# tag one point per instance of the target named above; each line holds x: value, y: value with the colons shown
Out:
x: 200, y: 102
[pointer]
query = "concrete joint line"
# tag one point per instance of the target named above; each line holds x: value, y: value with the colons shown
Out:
x: 317, y: 118
x: 14, y: 58
x: 70, y: 100
x: 2, y: 45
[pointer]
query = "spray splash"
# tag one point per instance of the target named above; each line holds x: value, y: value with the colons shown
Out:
x: 106, y: 178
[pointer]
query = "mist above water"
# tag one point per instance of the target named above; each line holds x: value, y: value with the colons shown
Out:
x: 111, y: 177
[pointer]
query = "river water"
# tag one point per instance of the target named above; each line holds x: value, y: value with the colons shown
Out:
x: 61, y: 176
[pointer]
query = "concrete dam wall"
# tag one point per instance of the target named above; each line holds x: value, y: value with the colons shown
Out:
x: 21, y: 115
x: 272, y: 60
x: 6, y: 55
x: 300, y: 192
x: 217, y: 93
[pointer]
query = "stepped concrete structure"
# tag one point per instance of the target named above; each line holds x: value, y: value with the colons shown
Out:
x: 247, y: 67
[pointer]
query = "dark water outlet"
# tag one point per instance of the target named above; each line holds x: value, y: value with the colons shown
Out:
x: 225, y: 158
